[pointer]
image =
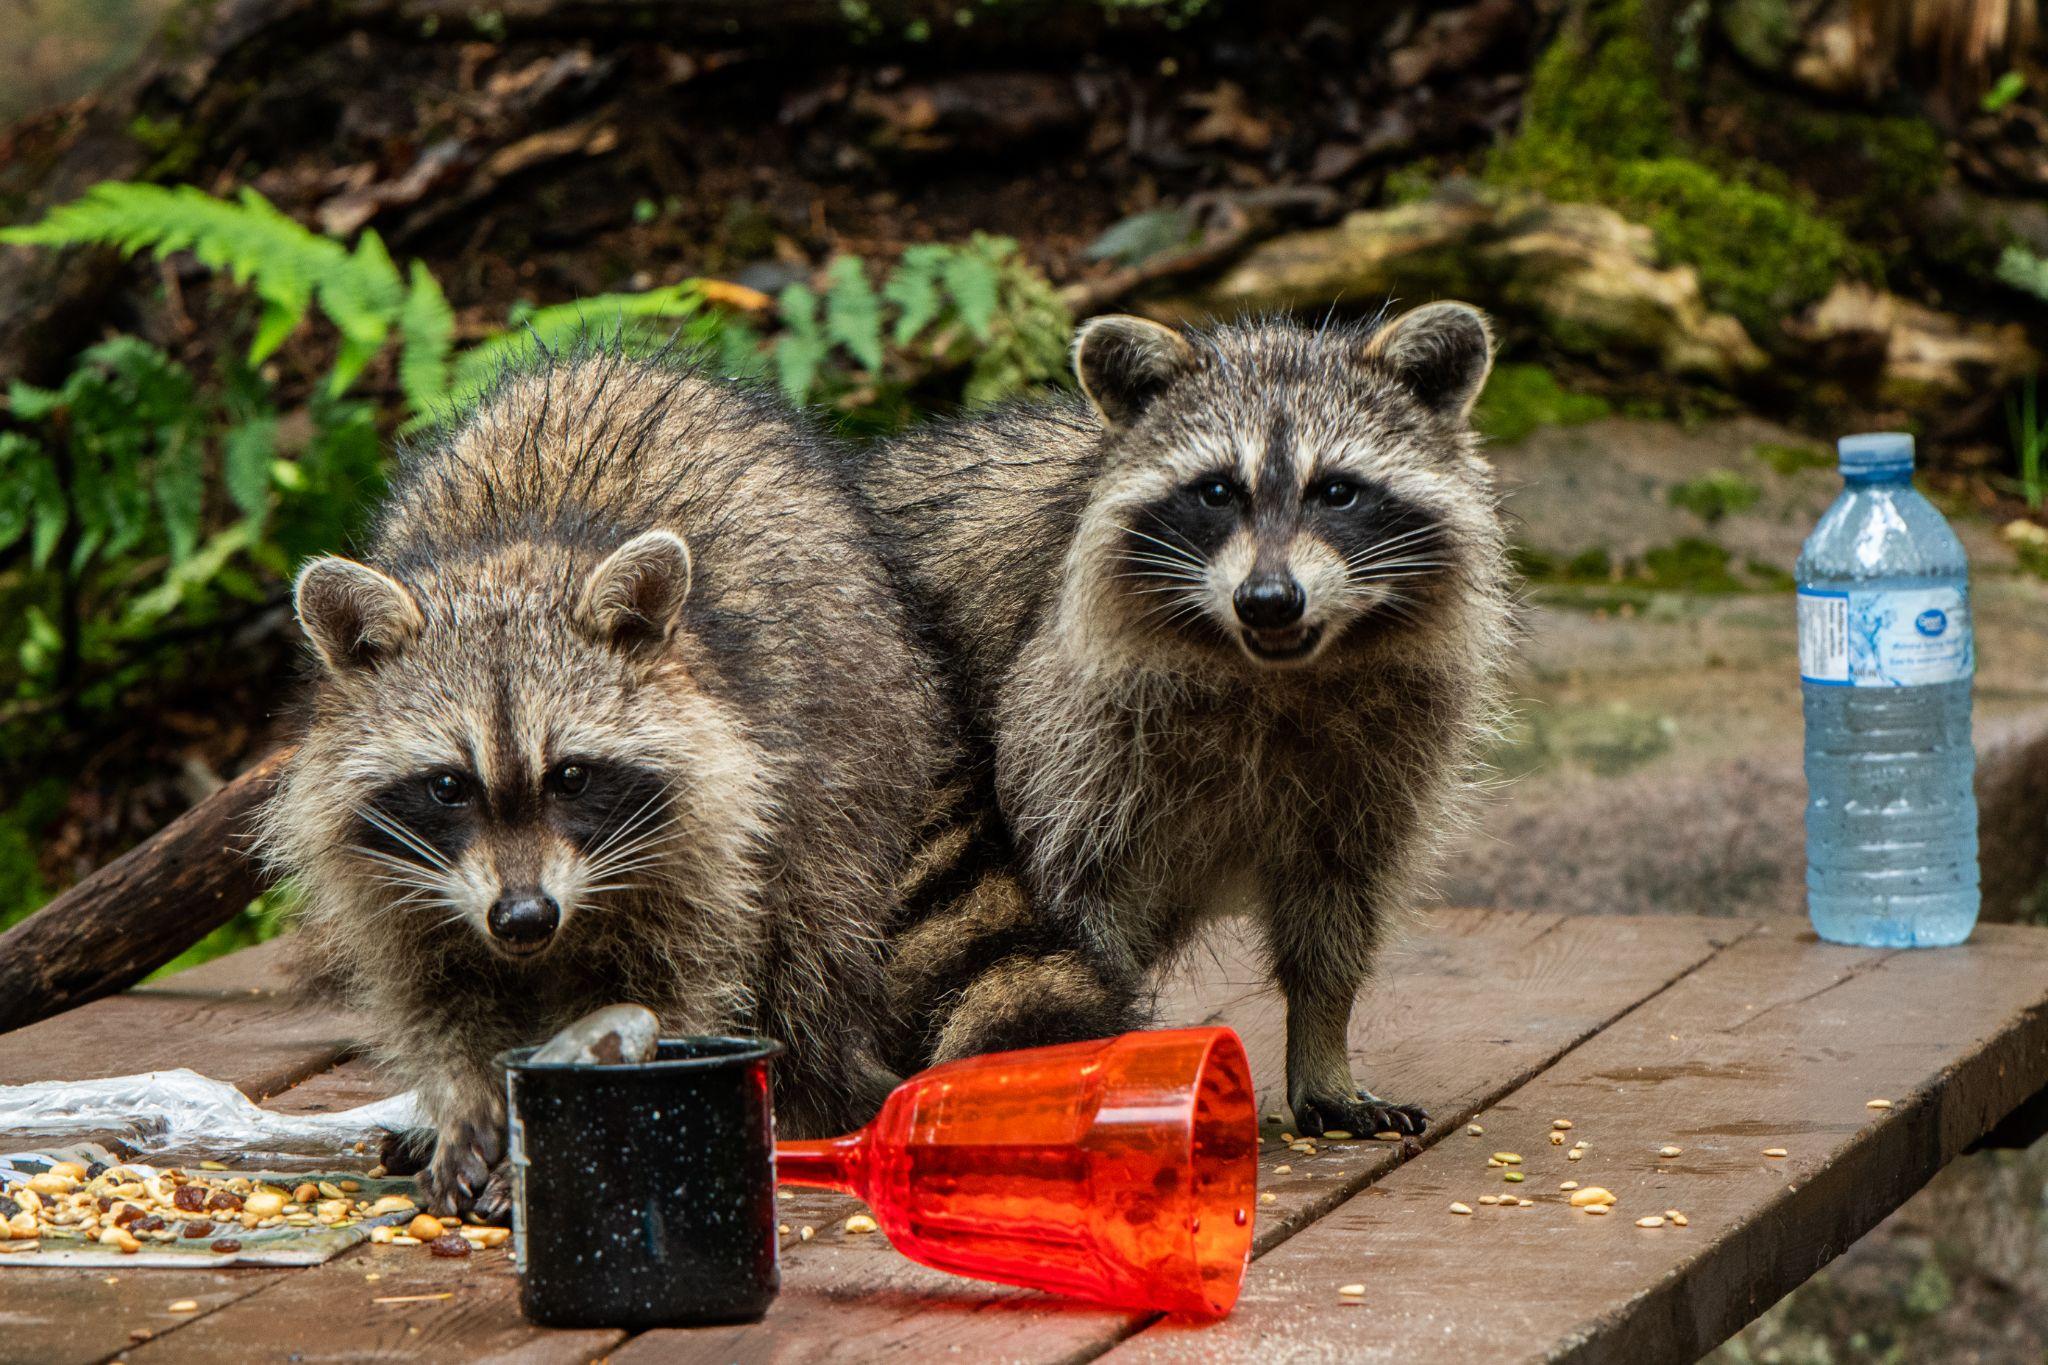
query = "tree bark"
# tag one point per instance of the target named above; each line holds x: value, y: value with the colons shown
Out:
x: 141, y: 910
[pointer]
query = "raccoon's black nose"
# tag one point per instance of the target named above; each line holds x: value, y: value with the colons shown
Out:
x: 524, y: 920
x: 1269, y: 603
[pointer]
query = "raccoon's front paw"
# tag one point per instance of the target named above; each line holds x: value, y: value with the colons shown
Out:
x: 1361, y: 1114
x: 465, y: 1155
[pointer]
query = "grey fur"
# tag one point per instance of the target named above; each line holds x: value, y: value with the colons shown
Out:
x: 627, y: 562
x: 1153, y: 769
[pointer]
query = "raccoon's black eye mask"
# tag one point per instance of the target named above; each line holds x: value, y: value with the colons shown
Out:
x: 431, y: 817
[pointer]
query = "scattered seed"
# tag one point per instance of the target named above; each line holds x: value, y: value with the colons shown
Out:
x: 390, y: 1203
x: 264, y: 1204
x: 329, y: 1189
x: 1273, y: 1118
x: 1525, y: 1203
x: 306, y: 1193
x: 140, y: 1334
x: 1655, y: 1220
x: 1388, y: 1136
x: 403, y: 1240
x: 1877, y: 1104
x: 1513, y: 1177
x: 1668, y: 1151
x: 212, y: 1166
x: 1461, y: 1208
x: 1557, y: 1139
x: 1562, y: 1125
x: 1474, y: 1129
x: 350, y: 1186
x: 425, y: 1227
x: 1351, y: 1290
x: 785, y: 1194
x: 1573, y: 1156
x: 372, y: 1277
x: 1776, y: 1151
x: 415, y: 1298
x: 1288, y: 1137
x: 1677, y: 1218
x: 1283, y: 1170
x: 1591, y: 1197
x: 376, y: 1172
x: 185, y: 1306
x: 1337, y: 1135
x: 783, y: 1228
x: 1569, y: 1185
x: 1508, y: 1158
x: 1673, y: 1214
x: 226, y: 1246
x: 1492, y: 1164
x: 1596, y: 1208
x: 1581, y: 1145
x: 806, y: 1233
x: 1269, y: 1198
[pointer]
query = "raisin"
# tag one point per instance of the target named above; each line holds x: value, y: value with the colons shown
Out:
x: 96, y: 1170
x: 153, y: 1223
x: 449, y: 1244
x: 190, y: 1198
x: 106, y: 1204
x: 128, y: 1214
x: 224, y: 1201
x: 8, y: 1208
x: 225, y: 1245
x: 197, y: 1228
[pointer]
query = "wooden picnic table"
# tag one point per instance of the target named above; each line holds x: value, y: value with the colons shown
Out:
x: 1720, y: 1037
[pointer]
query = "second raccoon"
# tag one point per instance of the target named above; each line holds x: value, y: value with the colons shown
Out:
x: 1232, y: 632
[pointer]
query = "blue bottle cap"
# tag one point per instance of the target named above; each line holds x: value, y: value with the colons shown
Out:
x: 1876, y: 452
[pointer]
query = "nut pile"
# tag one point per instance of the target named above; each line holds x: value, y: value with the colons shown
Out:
x: 122, y: 1208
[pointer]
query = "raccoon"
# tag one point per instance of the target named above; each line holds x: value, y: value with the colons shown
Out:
x: 620, y: 705
x: 1232, y: 630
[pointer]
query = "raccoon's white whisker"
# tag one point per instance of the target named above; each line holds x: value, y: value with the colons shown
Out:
x: 640, y: 852
x: 404, y: 833
x: 1188, y: 555
x: 634, y: 820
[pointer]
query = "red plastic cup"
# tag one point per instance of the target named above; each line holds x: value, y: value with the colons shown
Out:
x: 1123, y: 1171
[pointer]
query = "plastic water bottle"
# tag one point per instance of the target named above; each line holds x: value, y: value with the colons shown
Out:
x: 1885, y: 657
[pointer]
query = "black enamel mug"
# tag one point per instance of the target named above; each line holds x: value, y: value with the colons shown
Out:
x: 644, y: 1194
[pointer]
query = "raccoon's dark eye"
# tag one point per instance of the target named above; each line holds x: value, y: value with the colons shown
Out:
x: 1337, y: 494
x: 448, y: 789
x: 1215, y: 493
x: 568, y: 780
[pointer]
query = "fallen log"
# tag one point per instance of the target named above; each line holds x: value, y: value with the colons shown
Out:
x: 141, y: 910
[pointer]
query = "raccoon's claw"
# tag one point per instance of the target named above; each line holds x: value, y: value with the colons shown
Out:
x: 494, y: 1204
x: 464, y: 1157
x: 1362, y: 1114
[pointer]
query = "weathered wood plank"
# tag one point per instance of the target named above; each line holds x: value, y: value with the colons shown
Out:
x: 234, y: 1019
x: 139, y: 911
x: 330, y: 1313
x: 1775, y: 1043
x: 59, y: 1316
x: 1466, y: 1011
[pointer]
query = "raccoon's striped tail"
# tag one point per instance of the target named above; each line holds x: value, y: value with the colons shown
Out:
x: 972, y: 969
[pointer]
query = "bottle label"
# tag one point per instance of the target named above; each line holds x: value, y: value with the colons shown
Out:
x: 1884, y: 637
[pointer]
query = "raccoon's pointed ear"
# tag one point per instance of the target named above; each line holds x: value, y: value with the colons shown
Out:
x: 354, y: 615
x: 1124, y: 363
x: 1441, y: 353
x: 636, y: 596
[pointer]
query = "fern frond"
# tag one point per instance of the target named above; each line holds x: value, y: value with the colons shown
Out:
x: 853, y: 315
x: 426, y: 336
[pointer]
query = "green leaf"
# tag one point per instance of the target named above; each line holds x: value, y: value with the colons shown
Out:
x: 181, y: 496
x: 246, y: 454
x: 426, y: 336
x: 800, y: 351
x: 974, y: 281
x: 1142, y: 236
x: 19, y: 456
x: 853, y: 315
x: 914, y: 288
